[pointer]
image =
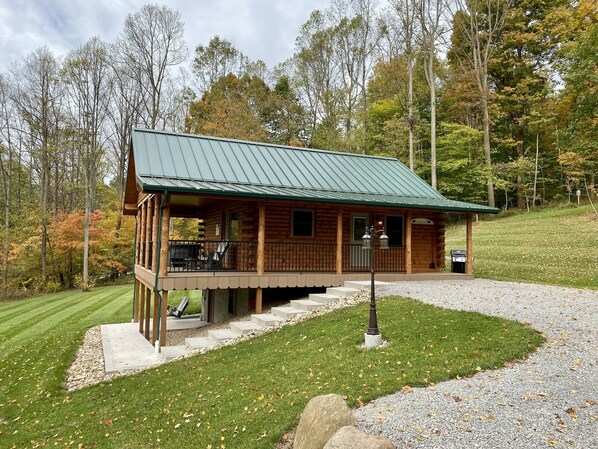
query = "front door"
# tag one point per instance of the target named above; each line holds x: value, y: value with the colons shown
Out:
x: 359, y: 223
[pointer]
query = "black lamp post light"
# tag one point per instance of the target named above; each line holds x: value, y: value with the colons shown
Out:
x: 373, y: 338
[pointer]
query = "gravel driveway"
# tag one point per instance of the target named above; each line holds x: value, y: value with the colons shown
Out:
x: 548, y: 400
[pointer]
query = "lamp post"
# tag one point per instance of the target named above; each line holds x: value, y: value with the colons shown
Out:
x: 373, y: 338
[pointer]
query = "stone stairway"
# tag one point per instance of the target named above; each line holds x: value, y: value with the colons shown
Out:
x: 260, y: 320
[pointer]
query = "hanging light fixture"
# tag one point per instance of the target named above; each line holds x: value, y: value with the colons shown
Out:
x: 383, y: 240
x: 366, y: 241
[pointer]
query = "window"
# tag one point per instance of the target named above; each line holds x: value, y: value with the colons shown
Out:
x: 394, y: 230
x: 302, y: 223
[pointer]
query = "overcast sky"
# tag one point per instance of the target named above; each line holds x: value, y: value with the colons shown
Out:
x: 261, y: 29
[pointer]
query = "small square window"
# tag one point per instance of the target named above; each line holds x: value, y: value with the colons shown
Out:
x: 303, y: 223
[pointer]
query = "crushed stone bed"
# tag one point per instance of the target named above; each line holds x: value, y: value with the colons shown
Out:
x: 547, y: 400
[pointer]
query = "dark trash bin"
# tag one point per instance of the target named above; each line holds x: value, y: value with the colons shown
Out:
x: 458, y: 260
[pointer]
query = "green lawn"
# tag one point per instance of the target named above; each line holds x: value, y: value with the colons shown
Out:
x: 245, y: 396
x: 552, y: 246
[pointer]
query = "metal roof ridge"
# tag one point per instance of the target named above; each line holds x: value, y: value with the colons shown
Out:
x: 440, y: 198
x: 274, y: 145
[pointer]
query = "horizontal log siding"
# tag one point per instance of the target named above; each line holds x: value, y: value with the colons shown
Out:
x: 427, y: 240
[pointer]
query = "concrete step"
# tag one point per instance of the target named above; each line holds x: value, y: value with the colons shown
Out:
x: 199, y: 342
x: 286, y: 312
x: 244, y: 327
x: 364, y: 285
x: 324, y: 298
x: 172, y: 352
x: 221, y: 335
x: 306, y: 304
x: 341, y: 291
x: 265, y: 319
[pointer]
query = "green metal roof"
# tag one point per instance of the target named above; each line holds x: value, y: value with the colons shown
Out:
x: 214, y: 166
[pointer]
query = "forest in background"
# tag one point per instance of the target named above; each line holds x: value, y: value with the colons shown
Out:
x: 490, y: 101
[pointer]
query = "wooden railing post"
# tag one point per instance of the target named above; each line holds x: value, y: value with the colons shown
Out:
x: 155, y: 223
x: 148, y: 231
x: 469, y: 238
x: 408, y: 252
x: 142, y: 236
x: 138, y: 236
x: 339, y: 241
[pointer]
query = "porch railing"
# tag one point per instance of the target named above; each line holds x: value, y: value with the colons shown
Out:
x: 219, y: 255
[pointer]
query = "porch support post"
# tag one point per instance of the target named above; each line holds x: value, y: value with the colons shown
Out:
x: 137, y: 296
x: 155, y: 320
x: 469, y: 237
x: 148, y: 299
x: 339, y: 241
x: 141, y: 291
x: 163, y: 320
x: 165, y: 244
x: 148, y: 230
x: 161, y: 307
x: 155, y: 232
x: 261, y: 245
x: 408, y: 251
x: 142, y: 236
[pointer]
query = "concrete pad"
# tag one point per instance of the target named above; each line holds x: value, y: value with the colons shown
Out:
x: 265, y: 319
x: 126, y: 349
x: 172, y: 352
x: 341, y: 291
x: 175, y: 324
x: 199, y: 342
x: 286, y: 312
x: 221, y: 335
x: 324, y: 298
x: 306, y: 304
x: 244, y: 327
x: 364, y: 285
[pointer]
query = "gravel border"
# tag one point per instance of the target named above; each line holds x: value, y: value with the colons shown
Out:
x: 547, y: 400
x: 88, y: 365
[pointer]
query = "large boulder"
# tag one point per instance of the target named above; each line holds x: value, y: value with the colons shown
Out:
x: 350, y: 437
x: 321, y: 418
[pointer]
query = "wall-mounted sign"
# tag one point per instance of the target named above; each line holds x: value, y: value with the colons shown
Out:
x: 421, y: 221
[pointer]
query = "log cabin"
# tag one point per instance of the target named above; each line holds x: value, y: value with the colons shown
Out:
x: 270, y: 217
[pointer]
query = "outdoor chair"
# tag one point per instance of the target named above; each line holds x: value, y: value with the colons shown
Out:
x: 178, y: 310
x: 214, y: 261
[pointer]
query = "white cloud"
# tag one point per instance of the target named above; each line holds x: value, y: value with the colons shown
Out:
x: 262, y: 29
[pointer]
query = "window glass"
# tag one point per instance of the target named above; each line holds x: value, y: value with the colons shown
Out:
x: 303, y: 223
x: 394, y: 230
x: 233, y: 230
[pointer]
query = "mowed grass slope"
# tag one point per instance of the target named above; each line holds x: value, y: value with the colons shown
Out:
x: 552, y: 246
x: 243, y: 396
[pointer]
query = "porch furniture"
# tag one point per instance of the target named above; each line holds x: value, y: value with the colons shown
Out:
x: 214, y: 261
x: 178, y: 311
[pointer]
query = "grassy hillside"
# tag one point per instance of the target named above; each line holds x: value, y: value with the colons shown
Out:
x: 553, y: 246
x: 243, y: 396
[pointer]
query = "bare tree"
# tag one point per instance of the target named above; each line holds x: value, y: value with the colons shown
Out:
x: 86, y: 73
x: 151, y: 43
x: 480, y: 23
x: 37, y: 95
x: 405, y: 11
x: 430, y: 14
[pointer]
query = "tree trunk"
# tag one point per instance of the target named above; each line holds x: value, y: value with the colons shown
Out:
x: 487, y: 153
x: 410, y: 81
x: 536, y: 169
x: 432, y: 120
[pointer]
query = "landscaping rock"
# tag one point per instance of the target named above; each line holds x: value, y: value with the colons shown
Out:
x: 350, y: 437
x: 322, y: 417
